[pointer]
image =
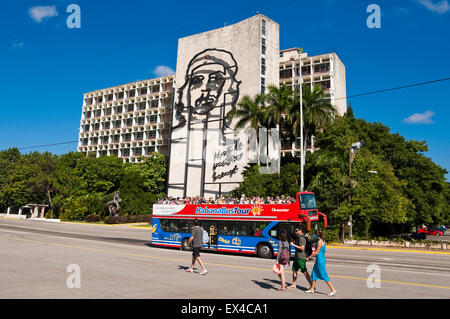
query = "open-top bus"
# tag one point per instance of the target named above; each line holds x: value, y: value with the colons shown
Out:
x: 241, y: 228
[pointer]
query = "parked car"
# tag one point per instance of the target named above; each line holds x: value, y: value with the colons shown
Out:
x: 432, y: 232
x: 440, y: 228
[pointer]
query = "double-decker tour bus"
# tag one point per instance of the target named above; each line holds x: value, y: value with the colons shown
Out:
x: 240, y: 228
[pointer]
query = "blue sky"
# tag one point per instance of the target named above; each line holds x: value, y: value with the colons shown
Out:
x: 46, y: 67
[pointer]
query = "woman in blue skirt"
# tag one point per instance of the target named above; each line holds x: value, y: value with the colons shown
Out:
x: 319, y: 271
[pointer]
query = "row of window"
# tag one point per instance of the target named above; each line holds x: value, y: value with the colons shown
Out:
x: 128, y: 137
x: 125, y: 152
x: 142, y: 106
x: 306, y: 70
x: 119, y: 123
x: 127, y: 94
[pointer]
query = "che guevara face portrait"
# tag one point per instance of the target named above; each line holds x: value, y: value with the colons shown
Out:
x: 210, y: 82
x: 205, y: 88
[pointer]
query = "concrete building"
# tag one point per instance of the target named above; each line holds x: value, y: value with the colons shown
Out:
x: 326, y: 70
x: 129, y: 120
x: 215, y: 69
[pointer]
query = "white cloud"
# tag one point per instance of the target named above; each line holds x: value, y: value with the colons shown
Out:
x: 163, y: 70
x: 439, y: 7
x: 39, y: 13
x: 420, y: 118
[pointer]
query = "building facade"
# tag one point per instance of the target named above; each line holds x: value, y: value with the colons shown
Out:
x: 128, y: 121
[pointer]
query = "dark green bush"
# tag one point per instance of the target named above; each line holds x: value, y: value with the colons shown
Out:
x: 129, y: 219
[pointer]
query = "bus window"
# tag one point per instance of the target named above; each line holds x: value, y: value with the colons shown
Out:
x: 308, y: 201
x: 186, y: 226
x: 283, y: 226
x: 174, y: 226
x: 163, y: 223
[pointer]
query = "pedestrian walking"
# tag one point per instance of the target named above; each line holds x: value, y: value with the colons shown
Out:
x: 283, y: 258
x: 197, y: 243
x: 299, y: 263
x: 319, y: 271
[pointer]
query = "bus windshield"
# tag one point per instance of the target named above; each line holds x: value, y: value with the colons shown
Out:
x: 308, y: 201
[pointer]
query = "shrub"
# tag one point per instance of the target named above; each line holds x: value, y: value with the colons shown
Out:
x: 92, y: 218
x: 129, y: 219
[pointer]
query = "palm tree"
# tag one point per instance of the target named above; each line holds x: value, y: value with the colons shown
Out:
x: 317, y: 112
x: 250, y: 111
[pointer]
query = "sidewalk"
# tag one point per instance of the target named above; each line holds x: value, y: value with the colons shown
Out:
x: 442, y: 248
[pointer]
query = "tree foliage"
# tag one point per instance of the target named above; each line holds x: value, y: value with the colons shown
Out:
x: 75, y: 186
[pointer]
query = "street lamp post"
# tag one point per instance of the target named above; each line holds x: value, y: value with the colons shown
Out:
x: 355, y: 146
x: 302, y: 156
x: 353, y: 149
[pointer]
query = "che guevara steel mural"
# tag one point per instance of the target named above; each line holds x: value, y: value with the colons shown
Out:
x: 210, y: 83
x: 210, y: 90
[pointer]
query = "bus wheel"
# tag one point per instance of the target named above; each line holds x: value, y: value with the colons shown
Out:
x: 184, y: 245
x: 264, y: 251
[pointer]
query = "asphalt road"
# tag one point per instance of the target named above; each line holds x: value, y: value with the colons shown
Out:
x: 119, y: 262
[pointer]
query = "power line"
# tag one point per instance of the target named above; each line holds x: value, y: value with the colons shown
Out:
x: 54, y: 144
x: 393, y: 89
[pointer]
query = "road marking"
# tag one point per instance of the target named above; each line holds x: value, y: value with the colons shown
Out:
x: 393, y: 250
x: 212, y: 264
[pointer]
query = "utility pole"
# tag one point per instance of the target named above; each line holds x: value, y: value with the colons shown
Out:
x: 302, y: 156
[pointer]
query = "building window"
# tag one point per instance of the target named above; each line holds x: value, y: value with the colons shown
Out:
x: 153, y: 118
x: 139, y: 136
x: 285, y: 74
x: 130, y: 108
x: 263, y: 81
x: 263, y: 27
x: 141, y: 106
x: 131, y: 93
x: 151, y: 134
x: 119, y: 109
x: 263, y: 50
x: 155, y: 103
x: 117, y: 124
x: 141, y: 120
x: 116, y: 138
x: 263, y: 70
x: 127, y: 137
x: 126, y: 152
x: 155, y: 88
x: 129, y: 122
x: 120, y: 96
x: 143, y: 91
x: 105, y: 139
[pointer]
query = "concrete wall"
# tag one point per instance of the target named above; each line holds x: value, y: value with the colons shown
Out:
x: 235, y: 52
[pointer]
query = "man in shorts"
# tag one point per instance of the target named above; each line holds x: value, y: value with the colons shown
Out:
x: 299, y: 258
x: 196, y: 239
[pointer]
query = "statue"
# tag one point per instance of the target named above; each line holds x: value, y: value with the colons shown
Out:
x: 113, y: 206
